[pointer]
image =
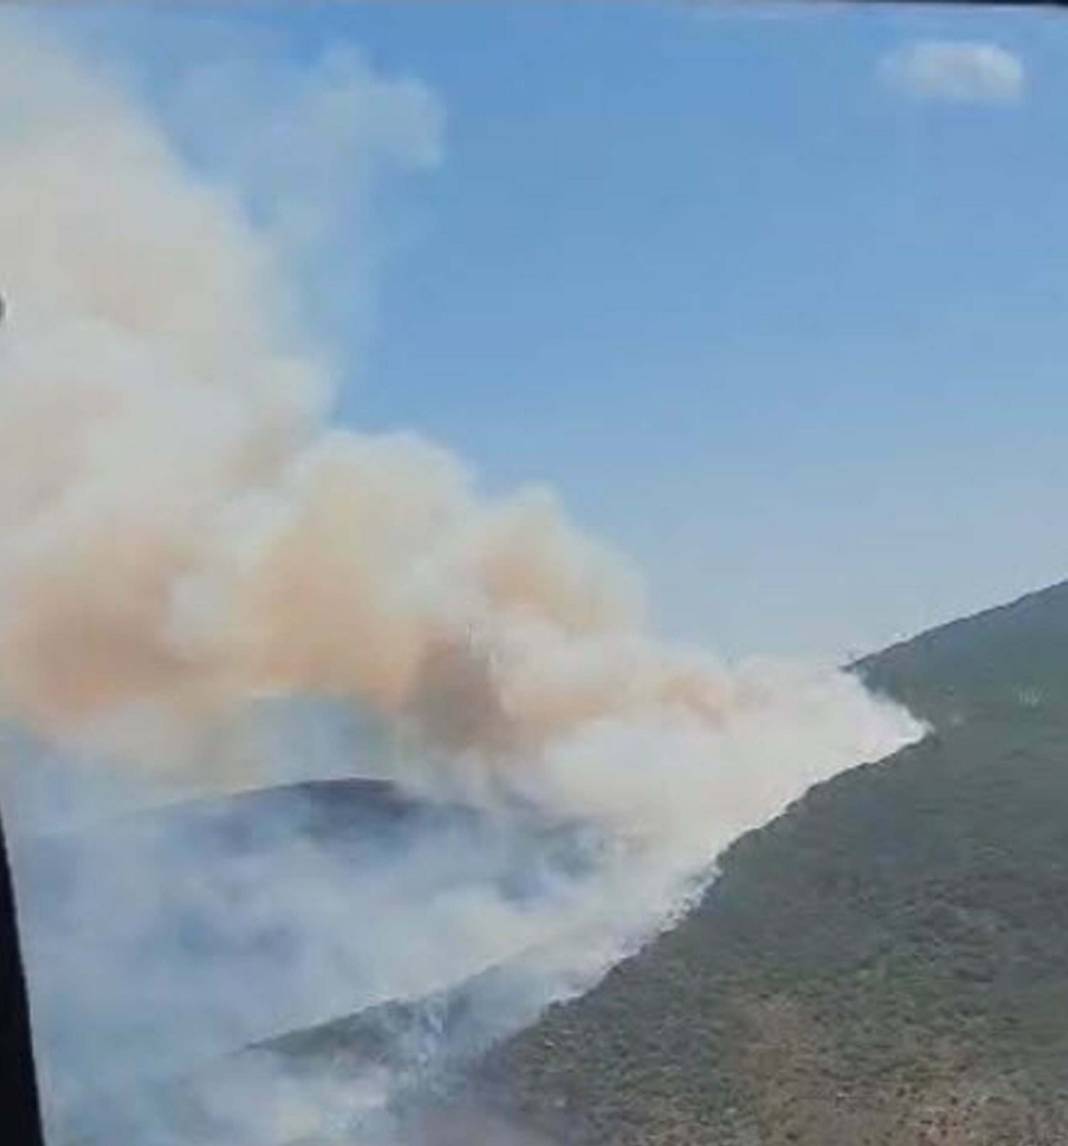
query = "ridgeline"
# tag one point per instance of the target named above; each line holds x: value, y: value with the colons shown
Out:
x: 886, y: 964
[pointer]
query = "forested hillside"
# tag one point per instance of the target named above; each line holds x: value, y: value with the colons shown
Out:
x: 886, y: 963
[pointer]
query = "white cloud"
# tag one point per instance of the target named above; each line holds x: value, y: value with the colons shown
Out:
x: 955, y: 71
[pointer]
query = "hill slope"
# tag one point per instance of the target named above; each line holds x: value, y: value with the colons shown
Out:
x: 886, y: 963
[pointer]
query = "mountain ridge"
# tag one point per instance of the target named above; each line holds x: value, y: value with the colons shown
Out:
x: 884, y: 963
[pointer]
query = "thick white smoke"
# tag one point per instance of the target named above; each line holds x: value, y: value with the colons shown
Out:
x: 189, y: 543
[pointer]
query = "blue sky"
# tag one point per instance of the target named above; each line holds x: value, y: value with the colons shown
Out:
x: 785, y: 324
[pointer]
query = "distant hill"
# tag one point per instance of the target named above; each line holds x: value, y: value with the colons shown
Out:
x: 885, y: 964
x: 982, y: 666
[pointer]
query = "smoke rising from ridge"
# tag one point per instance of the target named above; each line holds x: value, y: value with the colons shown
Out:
x: 190, y: 545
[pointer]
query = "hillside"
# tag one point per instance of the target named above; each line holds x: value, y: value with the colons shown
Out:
x: 885, y: 964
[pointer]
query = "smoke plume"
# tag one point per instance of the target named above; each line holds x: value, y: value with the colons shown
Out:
x: 206, y: 585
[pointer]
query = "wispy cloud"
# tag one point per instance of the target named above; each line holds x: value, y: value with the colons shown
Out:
x: 955, y: 71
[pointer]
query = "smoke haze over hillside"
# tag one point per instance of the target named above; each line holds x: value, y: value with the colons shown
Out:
x: 202, y: 575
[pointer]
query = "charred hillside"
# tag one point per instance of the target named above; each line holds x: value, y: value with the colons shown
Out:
x: 886, y: 963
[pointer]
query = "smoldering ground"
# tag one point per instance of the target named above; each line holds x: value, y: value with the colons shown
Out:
x: 208, y: 587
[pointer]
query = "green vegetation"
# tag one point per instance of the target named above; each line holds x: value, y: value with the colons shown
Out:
x: 885, y: 964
